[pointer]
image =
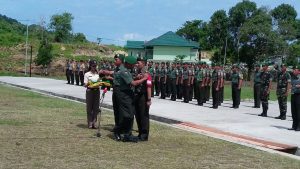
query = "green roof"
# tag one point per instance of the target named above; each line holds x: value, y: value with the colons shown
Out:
x: 171, y: 39
x: 135, y: 44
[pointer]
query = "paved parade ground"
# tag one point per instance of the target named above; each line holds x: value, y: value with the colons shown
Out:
x: 236, y: 125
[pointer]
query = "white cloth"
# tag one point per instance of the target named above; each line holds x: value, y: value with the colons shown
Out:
x: 89, y: 76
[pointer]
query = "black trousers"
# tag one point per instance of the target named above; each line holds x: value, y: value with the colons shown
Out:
x: 179, y: 89
x: 295, y: 108
x: 71, y: 76
x: 168, y: 86
x: 116, y: 110
x: 200, y: 93
x: 191, y: 94
x: 256, y: 89
x: 162, y: 88
x: 186, y: 91
x: 221, y: 94
x: 215, y: 94
x: 207, y: 92
x: 142, y: 114
x: 81, y: 77
x: 152, y: 88
x: 77, y: 77
x: 157, y: 86
x: 92, y: 97
x: 67, y: 75
x: 125, y: 110
x: 196, y: 89
x: 236, y: 95
x: 173, y: 89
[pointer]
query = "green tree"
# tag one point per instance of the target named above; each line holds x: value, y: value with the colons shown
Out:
x: 62, y: 26
x: 195, y: 30
x: 238, y: 15
x: 80, y: 37
x: 218, y: 33
x: 44, y: 56
x: 294, y: 55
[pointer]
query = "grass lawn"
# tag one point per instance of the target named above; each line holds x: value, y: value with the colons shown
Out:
x: 44, y: 132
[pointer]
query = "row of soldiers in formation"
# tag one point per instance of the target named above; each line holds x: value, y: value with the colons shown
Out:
x: 187, y: 81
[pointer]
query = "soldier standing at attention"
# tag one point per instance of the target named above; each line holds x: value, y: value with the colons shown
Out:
x: 67, y: 70
x: 257, y: 86
x: 77, y: 69
x: 174, y: 81
x: 283, y: 87
x: 163, y: 80
x: 222, y: 72
x: 236, y: 83
x: 152, y: 74
x: 266, y: 83
x: 215, y: 78
x: 200, y: 78
x: 71, y: 71
x: 179, y: 84
x: 208, y: 80
x: 185, y: 81
x: 168, y: 83
x: 295, y: 99
x: 192, y: 77
x: 142, y: 101
x: 196, y: 84
x: 156, y: 80
x: 92, y: 95
x: 81, y: 72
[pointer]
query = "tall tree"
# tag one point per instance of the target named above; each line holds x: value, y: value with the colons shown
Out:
x: 238, y: 15
x: 62, y: 26
x: 218, y: 33
x: 195, y: 30
x: 44, y: 56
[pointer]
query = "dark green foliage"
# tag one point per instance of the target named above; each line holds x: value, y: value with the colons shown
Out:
x: 44, y: 56
x: 62, y: 26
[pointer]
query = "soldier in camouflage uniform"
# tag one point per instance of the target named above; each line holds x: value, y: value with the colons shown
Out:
x: 156, y: 79
x: 223, y: 75
x: 192, y: 77
x: 236, y: 83
x: 208, y: 82
x: 295, y: 99
x: 185, y: 81
x: 215, y: 78
x: 168, y: 83
x: 200, y: 79
x: 283, y: 87
x: 179, y: 85
x: 174, y: 81
x: 152, y: 74
x: 266, y: 83
x: 256, y: 87
x: 163, y: 80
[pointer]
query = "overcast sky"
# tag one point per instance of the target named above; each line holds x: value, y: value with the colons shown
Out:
x: 119, y: 20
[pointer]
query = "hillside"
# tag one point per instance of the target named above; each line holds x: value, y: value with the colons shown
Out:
x: 13, y: 48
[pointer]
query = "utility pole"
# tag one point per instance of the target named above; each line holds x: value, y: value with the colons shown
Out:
x: 26, y: 50
x: 30, y: 61
x: 225, y: 52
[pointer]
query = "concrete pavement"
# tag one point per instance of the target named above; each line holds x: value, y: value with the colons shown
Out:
x: 238, y: 125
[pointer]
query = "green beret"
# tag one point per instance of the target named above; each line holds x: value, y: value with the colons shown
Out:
x: 130, y: 59
x: 120, y: 56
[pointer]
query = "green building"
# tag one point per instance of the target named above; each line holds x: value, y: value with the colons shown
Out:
x: 165, y: 48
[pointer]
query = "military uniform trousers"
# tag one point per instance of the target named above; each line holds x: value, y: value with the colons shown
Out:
x: 81, y: 77
x: 186, y: 91
x: 142, y: 114
x: 157, y: 86
x: 200, y: 93
x: 221, y: 95
x: 162, y: 88
x: 173, y: 89
x: 264, y: 97
x: 256, y: 90
x: 179, y: 89
x: 282, y: 101
x: 295, y: 108
x: 236, y: 95
x: 168, y: 86
x: 124, y: 110
x: 152, y: 87
x: 215, y: 94
x: 92, y: 97
x: 207, y: 92
x: 71, y: 76
x: 191, y: 91
x: 196, y: 89
x: 77, y: 77
x: 67, y: 75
